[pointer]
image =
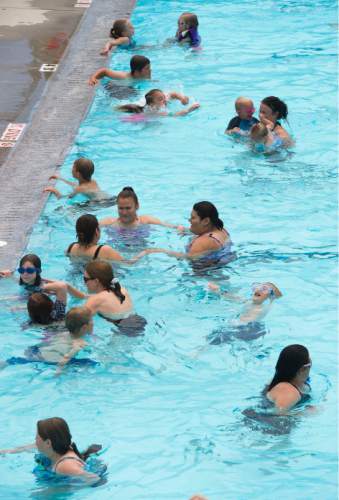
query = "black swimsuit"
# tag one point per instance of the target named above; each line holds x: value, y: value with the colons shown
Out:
x: 96, y: 253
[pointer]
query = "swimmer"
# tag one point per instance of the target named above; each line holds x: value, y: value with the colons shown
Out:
x: 289, y: 385
x: 244, y: 120
x: 188, y: 30
x: 128, y: 206
x: 264, y: 140
x: 256, y: 309
x: 271, y: 110
x: 42, y: 309
x: 140, y: 70
x: 122, y: 33
x: 87, y: 246
x: 156, y: 102
x: 30, y: 273
x: 212, y: 241
x: 82, y: 170
x: 58, y: 453
x: 62, y: 348
x: 106, y: 296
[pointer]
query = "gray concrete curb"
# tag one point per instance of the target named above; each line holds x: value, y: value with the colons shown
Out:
x: 54, y: 125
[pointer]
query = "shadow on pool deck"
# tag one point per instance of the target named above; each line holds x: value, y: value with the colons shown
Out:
x: 63, y: 104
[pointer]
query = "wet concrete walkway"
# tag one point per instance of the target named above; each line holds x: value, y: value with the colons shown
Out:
x: 52, y: 127
x: 33, y: 32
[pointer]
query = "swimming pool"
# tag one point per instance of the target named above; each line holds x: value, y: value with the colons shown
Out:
x: 167, y: 409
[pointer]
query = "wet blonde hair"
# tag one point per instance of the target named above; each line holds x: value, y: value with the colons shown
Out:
x: 258, y: 131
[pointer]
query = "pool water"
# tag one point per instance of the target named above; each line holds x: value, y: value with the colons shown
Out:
x: 168, y: 407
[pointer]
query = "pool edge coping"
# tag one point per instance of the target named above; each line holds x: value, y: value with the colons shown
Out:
x: 54, y: 124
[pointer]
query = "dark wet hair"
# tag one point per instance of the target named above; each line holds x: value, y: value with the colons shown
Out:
x: 56, y: 429
x: 277, y: 106
x: 138, y: 63
x: 103, y: 272
x: 40, y: 307
x: 86, y: 227
x: 128, y: 192
x: 191, y: 18
x: 136, y: 108
x: 206, y: 209
x: 35, y: 260
x: 118, y: 28
x: 85, y: 167
x: 291, y: 359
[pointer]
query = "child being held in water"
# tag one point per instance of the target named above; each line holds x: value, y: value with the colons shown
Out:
x: 156, y: 102
x: 264, y: 140
x: 140, y: 69
x: 82, y: 170
x: 241, y: 124
x: 188, y: 29
x: 122, y: 33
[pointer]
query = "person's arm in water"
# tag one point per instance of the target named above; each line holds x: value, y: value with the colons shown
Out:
x: 112, y: 44
x: 107, y: 221
x: 57, y: 288
x: 19, y: 449
x: 109, y: 73
x: 149, y: 219
x: 179, y: 97
x: 198, y: 249
x: 191, y: 108
x: 77, y: 346
x: 213, y: 287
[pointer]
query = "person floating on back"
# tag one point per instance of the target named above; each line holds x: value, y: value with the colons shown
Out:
x: 241, y: 124
x: 156, y: 102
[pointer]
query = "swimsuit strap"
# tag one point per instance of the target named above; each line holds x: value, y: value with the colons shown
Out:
x: 62, y: 459
x: 296, y: 387
x: 69, y: 249
x: 215, y: 239
x: 96, y: 253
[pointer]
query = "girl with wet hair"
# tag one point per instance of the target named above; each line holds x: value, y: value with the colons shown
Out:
x: 122, y: 33
x: 128, y: 205
x: 271, y: 110
x: 289, y: 384
x: 57, y: 452
x: 155, y: 103
x: 30, y: 273
x: 212, y: 242
x: 42, y: 309
x: 188, y: 29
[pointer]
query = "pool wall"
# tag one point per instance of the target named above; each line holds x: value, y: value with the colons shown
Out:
x: 53, y: 127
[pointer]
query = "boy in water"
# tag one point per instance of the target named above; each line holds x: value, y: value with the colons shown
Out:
x: 140, y: 69
x: 244, y: 120
x: 82, y: 170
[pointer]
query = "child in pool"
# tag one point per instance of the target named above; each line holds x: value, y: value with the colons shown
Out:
x: 30, y: 273
x: 61, y: 348
x: 264, y: 140
x: 82, y: 170
x: 122, y: 33
x: 42, y: 309
x: 140, y: 69
x: 248, y: 325
x: 241, y: 124
x: 156, y: 102
x: 188, y: 29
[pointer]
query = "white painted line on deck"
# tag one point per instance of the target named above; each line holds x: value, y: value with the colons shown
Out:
x: 46, y: 68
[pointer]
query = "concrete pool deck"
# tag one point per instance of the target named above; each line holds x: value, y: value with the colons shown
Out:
x: 49, y: 135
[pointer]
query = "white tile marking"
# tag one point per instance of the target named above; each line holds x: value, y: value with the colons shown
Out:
x: 46, y: 68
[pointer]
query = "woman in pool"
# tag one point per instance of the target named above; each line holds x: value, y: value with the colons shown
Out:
x: 58, y: 453
x: 288, y: 386
x: 271, y: 110
x: 156, y: 102
x: 128, y: 205
x: 212, y: 242
x: 30, y: 273
x: 108, y: 298
x: 88, y: 233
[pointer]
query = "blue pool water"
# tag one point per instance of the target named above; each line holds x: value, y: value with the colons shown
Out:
x: 167, y: 407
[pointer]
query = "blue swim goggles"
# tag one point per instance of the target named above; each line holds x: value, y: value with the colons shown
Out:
x: 28, y: 270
